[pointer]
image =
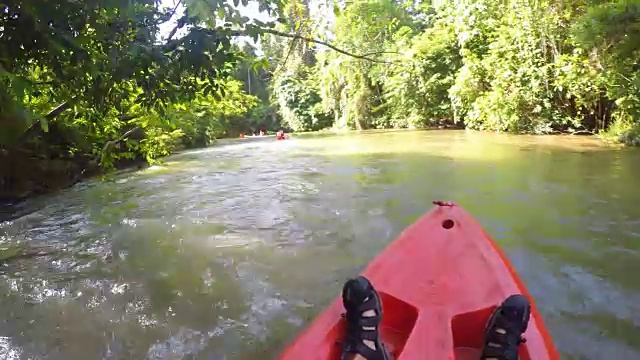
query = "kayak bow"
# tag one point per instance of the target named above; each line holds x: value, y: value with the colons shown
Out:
x: 439, y: 282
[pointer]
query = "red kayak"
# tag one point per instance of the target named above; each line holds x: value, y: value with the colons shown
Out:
x: 439, y: 282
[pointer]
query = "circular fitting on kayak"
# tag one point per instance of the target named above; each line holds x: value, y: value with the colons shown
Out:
x: 448, y: 224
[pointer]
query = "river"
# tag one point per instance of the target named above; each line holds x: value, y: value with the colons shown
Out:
x: 227, y: 252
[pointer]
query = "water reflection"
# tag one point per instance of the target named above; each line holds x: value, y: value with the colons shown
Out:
x: 225, y: 253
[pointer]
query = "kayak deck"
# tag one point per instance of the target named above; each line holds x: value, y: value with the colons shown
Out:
x: 439, y: 282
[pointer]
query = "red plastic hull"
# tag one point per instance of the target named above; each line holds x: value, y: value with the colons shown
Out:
x: 438, y: 287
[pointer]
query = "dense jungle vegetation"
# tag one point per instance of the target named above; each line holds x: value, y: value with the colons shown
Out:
x: 93, y: 85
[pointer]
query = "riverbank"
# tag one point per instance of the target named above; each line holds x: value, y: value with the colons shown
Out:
x: 24, y: 175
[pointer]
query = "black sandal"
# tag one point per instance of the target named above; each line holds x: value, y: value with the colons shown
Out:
x: 503, y: 333
x: 359, y: 296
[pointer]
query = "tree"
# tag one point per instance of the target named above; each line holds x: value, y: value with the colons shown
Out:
x: 103, y: 68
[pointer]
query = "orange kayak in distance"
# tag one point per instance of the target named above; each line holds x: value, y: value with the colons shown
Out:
x: 439, y: 282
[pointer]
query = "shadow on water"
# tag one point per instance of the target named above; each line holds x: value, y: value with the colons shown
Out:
x: 226, y: 253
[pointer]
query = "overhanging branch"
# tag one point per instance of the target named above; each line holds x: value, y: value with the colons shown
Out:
x: 324, y: 43
x: 173, y: 43
x: 169, y: 15
x: 307, y: 39
x: 36, y: 127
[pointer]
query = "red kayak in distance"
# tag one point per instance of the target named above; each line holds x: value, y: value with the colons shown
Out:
x: 280, y: 135
x: 439, y: 282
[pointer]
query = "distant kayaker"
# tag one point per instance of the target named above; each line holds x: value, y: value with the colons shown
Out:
x: 261, y: 132
x: 280, y: 135
x: 503, y: 332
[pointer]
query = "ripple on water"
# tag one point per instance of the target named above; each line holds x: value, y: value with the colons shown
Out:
x: 570, y: 297
x: 265, y: 304
x: 7, y: 350
x: 224, y: 253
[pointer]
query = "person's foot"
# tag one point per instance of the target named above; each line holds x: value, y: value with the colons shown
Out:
x: 364, y: 314
x: 503, y: 333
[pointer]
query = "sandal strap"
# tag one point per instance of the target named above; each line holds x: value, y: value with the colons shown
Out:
x: 371, y: 335
x: 497, y: 337
x: 367, y: 352
x: 493, y: 352
x: 372, y: 321
x: 371, y: 303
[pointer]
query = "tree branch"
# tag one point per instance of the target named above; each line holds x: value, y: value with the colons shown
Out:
x: 58, y: 109
x: 122, y: 137
x: 36, y: 127
x: 380, y: 52
x: 291, y: 47
x: 170, y: 15
x: 178, y: 24
x: 172, y: 44
x: 44, y: 82
x: 111, y: 143
x: 332, y: 47
x: 173, y: 31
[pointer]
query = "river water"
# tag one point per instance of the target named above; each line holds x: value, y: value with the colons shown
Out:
x: 227, y: 252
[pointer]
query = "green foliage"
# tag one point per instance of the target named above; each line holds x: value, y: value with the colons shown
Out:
x: 263, y: 117
x: 254, y: 73
x: 294, y: 87
x: 353, y: 88
x: 206, y: 118
x: 299, y: 103
x: 610, y: 32
x: 516, y: 66
x: 418, y: 93
x: 98, y: 80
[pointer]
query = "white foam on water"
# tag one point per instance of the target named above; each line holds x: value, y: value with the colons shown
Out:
x: 234, y: 240
x: 7, y: 350
x: 153, y: 168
